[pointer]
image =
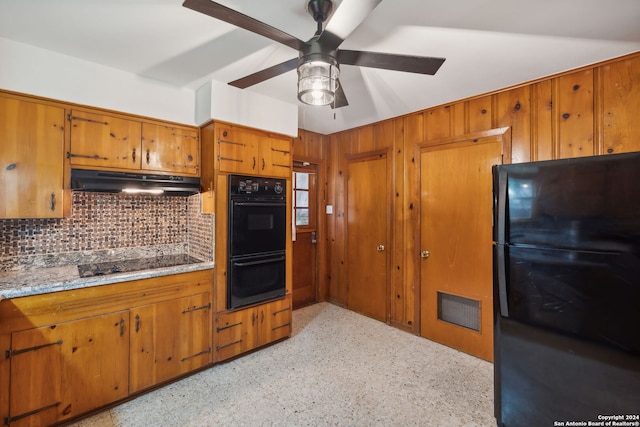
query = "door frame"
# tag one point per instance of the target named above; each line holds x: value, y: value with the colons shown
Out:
x: 503, y: 133
x: 361, y: 157
x: 319, y: 219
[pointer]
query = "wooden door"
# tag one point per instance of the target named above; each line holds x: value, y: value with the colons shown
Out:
x: 456, y: 268
x: 273, y: 321
x: 169, y: 339
x: 368, y: 236
x: 169, y: 149
x: 275, y: 157
x: 31, y: 159
x: 305, y: 273
x: 61, y: 371
x: 237, y: 150
x: 102, y: 141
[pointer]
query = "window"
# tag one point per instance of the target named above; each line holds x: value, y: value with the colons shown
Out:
x: 303, y: 204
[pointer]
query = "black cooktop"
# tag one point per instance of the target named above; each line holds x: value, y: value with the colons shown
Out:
x: 112, y: 267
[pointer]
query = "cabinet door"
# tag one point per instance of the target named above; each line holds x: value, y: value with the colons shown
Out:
x: 61, y: 371
x: 169, y: 339
x: 274, y: 321
x: 237, y: 151
x: 31, y: 159
x: 170, y: 149
x: 98, y: 140
x: 234, y: 333
x: 275, y: 157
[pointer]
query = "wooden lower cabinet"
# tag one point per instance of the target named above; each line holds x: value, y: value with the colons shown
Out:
x: 61, y: 371
x: 169, y: 339
x: 71, y: 352
x: 239, y: 331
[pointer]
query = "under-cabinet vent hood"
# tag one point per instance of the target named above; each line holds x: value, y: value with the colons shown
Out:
x: 116, y: 182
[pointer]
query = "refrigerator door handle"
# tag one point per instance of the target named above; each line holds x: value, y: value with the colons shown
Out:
x: 502, y: 206
x: 502, y: 281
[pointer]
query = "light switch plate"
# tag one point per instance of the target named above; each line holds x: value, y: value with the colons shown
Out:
x: 329, y: 209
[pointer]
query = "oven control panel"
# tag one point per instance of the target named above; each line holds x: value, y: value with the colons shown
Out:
x: 256, y: 186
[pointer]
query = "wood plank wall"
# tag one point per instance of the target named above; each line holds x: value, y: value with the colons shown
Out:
x: 590, y: 111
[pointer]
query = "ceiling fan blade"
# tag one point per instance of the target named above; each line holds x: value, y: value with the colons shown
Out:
x: 340, y: 98
x: 346, y: 18
x: 389, y: 61
x: 265, y: 74
x: 233, y: 17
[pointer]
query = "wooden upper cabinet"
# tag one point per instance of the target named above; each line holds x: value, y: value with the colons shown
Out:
x: 107, y: 142
x: 170, y: 149
x: 237, y: 150
x: 31, y: 159
x: 275, y: 157
x: 98, y: 140
x: 252, y: 152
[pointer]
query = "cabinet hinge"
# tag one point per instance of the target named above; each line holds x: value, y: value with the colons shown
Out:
x: 223, y: 141
x: 196, y: 355
x: 280, y: 151
x: 229, y: 159
x: 203, y: 307
x: 281, y: 166
x: 222, y: 328
x: 87, y: 120
x: 85, y: 156
x: 281, y: 311
x: 220, y: 347
x: 9, y: 420
x: 10, y: 353
x: 281, y: 326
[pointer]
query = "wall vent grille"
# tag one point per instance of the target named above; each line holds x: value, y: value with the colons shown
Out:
x: 460, y: 311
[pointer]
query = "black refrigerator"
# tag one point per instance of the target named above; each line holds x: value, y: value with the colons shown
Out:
x: 567, y: 291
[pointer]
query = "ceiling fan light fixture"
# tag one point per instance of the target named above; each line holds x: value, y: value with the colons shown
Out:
x: 317, y: 82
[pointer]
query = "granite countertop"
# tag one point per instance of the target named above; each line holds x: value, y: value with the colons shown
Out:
x: 44, y: 280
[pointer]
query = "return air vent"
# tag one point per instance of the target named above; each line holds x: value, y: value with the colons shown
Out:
x: 459, y: 311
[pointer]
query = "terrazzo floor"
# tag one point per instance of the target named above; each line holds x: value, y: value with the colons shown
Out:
x: 338, y: 369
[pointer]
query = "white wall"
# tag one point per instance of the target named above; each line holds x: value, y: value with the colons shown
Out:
x: 35, y: 71
x: 32, y: 70
x: 219, y: 101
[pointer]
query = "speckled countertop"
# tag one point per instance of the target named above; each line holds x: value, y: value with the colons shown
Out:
x: 44, y: 280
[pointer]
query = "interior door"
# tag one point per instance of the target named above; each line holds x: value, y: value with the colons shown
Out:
x: 368, y: 234
x: 456, y: 243
x: 305, y: 253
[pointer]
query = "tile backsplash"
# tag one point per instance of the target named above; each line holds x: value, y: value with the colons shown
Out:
x: 104, y: 221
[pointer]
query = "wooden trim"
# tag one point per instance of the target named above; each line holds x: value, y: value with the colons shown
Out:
x: 438, y: 143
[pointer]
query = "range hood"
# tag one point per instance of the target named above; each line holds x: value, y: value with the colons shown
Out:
x: 116, y: 182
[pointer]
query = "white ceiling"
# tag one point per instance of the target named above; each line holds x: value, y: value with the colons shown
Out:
x: 488, y: 44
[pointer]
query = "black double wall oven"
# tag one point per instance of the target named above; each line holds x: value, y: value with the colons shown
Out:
x: 257, y: 240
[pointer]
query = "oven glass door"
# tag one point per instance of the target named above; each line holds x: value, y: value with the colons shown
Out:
x: 255, y: 279
x: 256, y: 226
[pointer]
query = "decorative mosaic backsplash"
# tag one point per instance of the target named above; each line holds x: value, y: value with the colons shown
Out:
x: 103, y: 221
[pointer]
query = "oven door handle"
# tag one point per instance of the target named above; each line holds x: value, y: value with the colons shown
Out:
x: 264, y: 261
x: 259, y: 204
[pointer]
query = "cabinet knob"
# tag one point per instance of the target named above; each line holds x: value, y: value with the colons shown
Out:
x: 424, y: 254
x: 380, y: 248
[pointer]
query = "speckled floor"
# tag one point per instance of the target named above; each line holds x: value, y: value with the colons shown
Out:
x: 338, y: 369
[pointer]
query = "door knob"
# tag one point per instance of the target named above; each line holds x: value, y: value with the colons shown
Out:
x: 424, y: 254
x: 380, y: 248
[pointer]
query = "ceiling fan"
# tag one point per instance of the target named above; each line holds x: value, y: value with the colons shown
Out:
x: 319, y: 58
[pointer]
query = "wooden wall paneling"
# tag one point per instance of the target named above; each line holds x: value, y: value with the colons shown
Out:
x: 513, y: 109
x: 341, y: 144
x: 479, y: 114
x: 573, y: 100
x: 413, y: 131
x: 458, y: 118
x: 620, y: 86
x: 437, y: 123
x: 542, y: 123
x: 365, y: 142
